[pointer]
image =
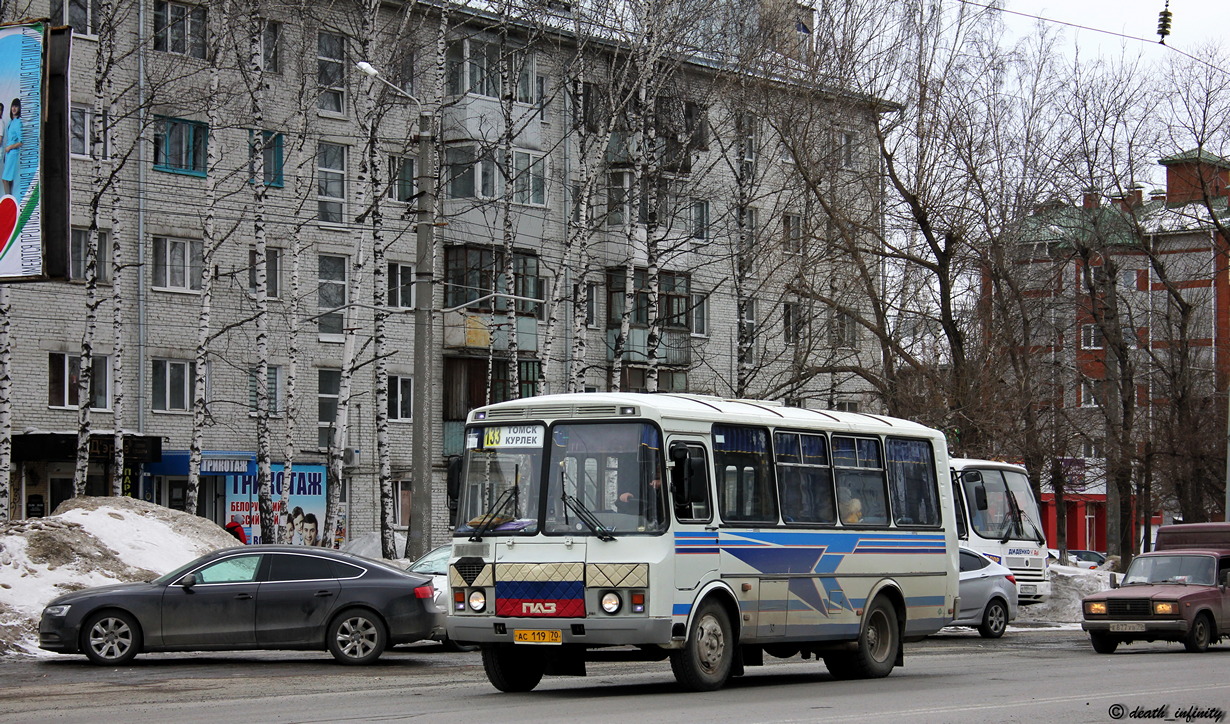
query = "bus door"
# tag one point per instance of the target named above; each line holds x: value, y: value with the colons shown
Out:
x: 695, y: 532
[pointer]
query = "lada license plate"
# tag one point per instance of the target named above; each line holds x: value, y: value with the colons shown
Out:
x: 537, y: 636
x: 1028, y: 588
x: 1127, y: 627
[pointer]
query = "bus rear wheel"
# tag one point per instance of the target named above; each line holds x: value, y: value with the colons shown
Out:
x: 704, y: 662
x: 879, y: 642
x: 513, y: 669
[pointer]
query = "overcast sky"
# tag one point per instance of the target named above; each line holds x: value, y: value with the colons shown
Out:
x: 1195, y: 23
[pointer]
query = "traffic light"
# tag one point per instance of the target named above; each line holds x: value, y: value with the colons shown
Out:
x: 1163, y: 23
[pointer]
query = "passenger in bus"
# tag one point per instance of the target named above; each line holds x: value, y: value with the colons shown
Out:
x: 852, y: 511
x: 628, y: 500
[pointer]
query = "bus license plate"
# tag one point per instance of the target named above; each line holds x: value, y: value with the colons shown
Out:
x: 537, y: 636
x: 1028, y: 588
x: 1129, y: 627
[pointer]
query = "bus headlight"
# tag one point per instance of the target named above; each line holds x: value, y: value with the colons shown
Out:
x: 1165, y: 608
x: 478, y: 599
x: 611, y: 602
x: 1095, y: 608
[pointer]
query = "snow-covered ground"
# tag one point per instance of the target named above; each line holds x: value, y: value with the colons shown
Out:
x: 97, y: 541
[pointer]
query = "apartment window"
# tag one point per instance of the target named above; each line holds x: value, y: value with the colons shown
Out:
x: 401, y: 285
x: 271, y: 32
x: 1091, y: 336
x: 591, y: 304
x: 792, y: 322
x: 523, y: 69
x: 845, y: 406
x: 700, y: 219
x: 180, y: 146
x: 401, y: 396
x: 1092, y: 449
x: 82, y: 15
x: 328, y: 388
x: 401, y: 178
x: 331, y: 72
x: 696, y: 124
x: 1090, y: 393
x: 747, y: 131
x: 273, y: 379
x: 472, y: 273
x: 846, y: 144
x: 404, y: 74
x: 331, y: 294
x: 843, y: 330
x: 80, y: 132
x: 528, y: 372
x: 699, y: 319
x: 330, y: 182
x: 792, y: 233
x: 273, y: 272
x: 619, y: 198
x: 673, y: 299
x: 179, y: 28
x: 401, y: 503
x: 177, y: 263
x: 473, y: 66
x: 64, y: 380
x: 79, y: 244
x: 530, y: 178
x: 270, y: 150
x: 470, y: 173
x: 1127, y: 280
x: 174, y: 384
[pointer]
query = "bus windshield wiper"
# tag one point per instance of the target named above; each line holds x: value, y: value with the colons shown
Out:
x: 492, y: 513
x: 586, y: 516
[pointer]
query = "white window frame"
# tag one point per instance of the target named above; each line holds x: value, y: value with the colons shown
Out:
x: 1091, y: 337
x: 402, y: 185
x: 78, y: 238
x: 330, y: 209
x: 332, y: 90
x: 326, y: 318
x: 792, y: 233
x: 189, y: 387
x: 273, y: 272
x: 698, y: 315
x: 190, y: 20
x: 65, y: 364
x: 62, y: 14
x: 275, y: 382
x: 82, y: 116
x: 700, y: 227
x: 1089, y: 393
x: 481, y: 169
x: 400, y: 388
x: 529, y: 178
x: 170, y: 254
x: 325, y: 427
x: 401, y: 285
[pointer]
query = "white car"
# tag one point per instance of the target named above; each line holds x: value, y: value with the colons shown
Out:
x: 435, y: 564
x: 988, y: 595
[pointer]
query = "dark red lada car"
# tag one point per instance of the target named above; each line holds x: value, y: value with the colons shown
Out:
x: 1168, y: 595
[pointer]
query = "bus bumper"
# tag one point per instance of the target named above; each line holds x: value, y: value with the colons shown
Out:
x: 614, y: 631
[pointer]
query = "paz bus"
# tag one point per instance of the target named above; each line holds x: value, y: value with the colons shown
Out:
x: 707, y: 531
x: 997, y: 515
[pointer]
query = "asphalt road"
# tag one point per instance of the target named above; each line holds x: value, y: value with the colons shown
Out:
x: 1030, y: 675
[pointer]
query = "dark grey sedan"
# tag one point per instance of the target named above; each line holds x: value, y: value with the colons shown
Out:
x: 263, y: 597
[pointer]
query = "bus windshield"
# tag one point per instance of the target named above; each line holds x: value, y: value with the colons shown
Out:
x: 500, y: 490
x: 1012, y: 512
x: 611, y: 471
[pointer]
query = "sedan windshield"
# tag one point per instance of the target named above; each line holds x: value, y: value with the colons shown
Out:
x: 1171, y: 569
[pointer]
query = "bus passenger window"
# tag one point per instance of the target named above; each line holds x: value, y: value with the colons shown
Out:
x: 912, y: 483
x: 859, y: 471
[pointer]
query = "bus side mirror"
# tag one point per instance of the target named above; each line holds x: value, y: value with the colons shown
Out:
x: 980, y: 496
x: 454, y: 477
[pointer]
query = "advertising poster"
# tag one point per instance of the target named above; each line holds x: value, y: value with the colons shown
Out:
x: 21, y: 73
x: 307, y: 503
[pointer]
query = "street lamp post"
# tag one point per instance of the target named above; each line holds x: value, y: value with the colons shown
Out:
x: 418, y: 537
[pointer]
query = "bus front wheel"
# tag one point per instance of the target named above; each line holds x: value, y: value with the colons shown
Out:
x: 879, y: 641
x: 513, y: 668
x: 704, y: 662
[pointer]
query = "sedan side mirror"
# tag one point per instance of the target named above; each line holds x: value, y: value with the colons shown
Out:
x: 188, y: 581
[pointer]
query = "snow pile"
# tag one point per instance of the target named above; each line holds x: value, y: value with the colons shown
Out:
x: 1068, y: 586
x: 368, y: 546
x: 90, y: 542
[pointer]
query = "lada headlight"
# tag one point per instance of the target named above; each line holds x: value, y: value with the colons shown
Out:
x: 1165, y: 608
x: 1095, y: 608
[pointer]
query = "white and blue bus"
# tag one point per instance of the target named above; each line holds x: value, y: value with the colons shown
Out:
x: 697, y: 529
